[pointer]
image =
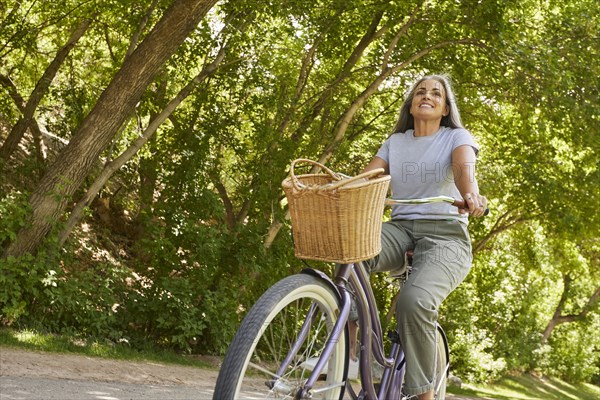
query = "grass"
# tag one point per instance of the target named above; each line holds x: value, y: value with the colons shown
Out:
x: 521, y: 387
x: 529, y: 387
x: 30, y: 340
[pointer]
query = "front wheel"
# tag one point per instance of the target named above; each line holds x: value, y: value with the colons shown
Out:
x: 267, y: 336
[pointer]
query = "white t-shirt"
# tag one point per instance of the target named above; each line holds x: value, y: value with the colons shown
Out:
x: 421, y: 167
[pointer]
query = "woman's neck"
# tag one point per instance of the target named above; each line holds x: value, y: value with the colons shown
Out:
x: 426, y: 128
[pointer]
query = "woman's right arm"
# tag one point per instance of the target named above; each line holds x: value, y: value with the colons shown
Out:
x: 375, y: 163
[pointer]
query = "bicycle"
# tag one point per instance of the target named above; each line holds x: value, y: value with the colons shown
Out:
x: 305, y: 316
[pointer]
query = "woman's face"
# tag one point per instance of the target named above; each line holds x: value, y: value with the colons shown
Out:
x: 429, y: 101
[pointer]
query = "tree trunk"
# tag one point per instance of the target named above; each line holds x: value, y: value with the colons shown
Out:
x: 41, y: 151
x: 137, y: 144
x: 558, y: 318
x: 76, y: 161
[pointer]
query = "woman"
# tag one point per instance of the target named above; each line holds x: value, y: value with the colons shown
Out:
x: 430, y: 154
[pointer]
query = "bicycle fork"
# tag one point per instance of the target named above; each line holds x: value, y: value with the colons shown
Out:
x: 338, y: 329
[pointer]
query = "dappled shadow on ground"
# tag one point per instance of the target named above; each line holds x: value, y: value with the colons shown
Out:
x: 529, y: 387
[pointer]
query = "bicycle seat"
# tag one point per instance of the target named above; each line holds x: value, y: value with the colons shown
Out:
x: 401, y: 273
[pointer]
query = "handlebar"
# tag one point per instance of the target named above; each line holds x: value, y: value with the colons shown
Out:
x: 438, y: 199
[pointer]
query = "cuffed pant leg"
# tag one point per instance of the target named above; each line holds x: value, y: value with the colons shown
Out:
x: 442, y: 259
x: 417, y: 316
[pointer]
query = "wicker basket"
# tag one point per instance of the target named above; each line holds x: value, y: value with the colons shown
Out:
x: 336, y: 218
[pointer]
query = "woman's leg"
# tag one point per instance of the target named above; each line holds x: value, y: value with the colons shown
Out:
x: 396, y: 239
x: 442, y: 259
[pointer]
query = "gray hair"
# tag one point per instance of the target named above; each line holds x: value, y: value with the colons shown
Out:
x: 452, y: 120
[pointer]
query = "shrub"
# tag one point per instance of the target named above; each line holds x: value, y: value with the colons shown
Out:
x: 571, y: 353
x: 471, y: 357
x: 21, y: 282
x: 14, y: 209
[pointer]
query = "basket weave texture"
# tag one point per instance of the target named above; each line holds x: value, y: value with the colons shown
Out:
x: 336, y: 218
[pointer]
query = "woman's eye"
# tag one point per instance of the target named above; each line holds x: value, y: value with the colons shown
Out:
x: 433, y: 93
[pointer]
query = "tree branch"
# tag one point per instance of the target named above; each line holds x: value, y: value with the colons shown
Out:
x: 370, y: 35
x: 41, y: 151
x: 136, y: 36
x: 230, y: 216
x: 16, y: 134
x: 498, y: 228
x: 401, y: 32
x: 558, y: 318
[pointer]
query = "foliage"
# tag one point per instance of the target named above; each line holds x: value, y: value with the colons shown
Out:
x: 512, y: 293
x: 572, y: 353
x: 13, y: 210
x: 85, y: 301
x: 21, y: 281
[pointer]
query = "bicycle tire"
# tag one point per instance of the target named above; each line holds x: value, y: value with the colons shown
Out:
x: 442, y: 367
x: 267, y: 334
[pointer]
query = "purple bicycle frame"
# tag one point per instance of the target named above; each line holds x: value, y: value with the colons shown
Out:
x: 356, y: 276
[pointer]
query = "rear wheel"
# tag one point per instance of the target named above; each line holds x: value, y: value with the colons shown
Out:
x: 442, y: 366
x: 268, y: 334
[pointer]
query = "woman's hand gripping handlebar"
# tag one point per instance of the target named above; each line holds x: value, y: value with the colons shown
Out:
x: 461, y: 204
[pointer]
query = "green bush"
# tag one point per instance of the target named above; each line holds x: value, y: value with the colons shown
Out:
x: 572, y: 353
x: 14, y: 209
x: 22, y: 280
x: 87, y: 300
x: 190, y: 285
x: 472, y: 358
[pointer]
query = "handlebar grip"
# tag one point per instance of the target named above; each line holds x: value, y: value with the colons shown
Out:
x: 463, y: 205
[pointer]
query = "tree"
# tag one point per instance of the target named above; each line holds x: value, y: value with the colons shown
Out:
x: 189, y: 214
x: 111, y: 167
x: 560, y: 318
x: 97, y: 130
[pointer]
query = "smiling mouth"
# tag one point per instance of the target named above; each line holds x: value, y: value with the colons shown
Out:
x: 425, y: 105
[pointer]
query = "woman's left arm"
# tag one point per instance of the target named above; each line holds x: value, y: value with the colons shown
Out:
x: 463, y: 165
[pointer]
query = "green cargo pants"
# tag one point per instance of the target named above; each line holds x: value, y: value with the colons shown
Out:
x: 441, y: 261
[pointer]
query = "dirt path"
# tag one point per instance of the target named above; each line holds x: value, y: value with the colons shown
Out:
x: 15, y: 362
x: 21, y: 363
